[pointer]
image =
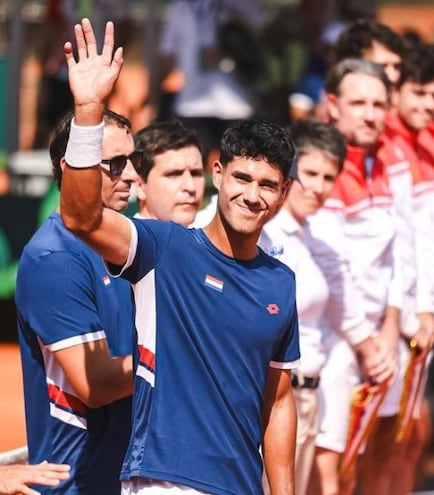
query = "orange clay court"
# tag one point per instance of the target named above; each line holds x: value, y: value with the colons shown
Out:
x: 12, y: 421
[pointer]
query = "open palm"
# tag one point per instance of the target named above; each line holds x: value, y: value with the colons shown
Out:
x: 92, y: 76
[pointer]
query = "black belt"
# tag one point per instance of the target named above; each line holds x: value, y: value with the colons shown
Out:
x: 300, y: 381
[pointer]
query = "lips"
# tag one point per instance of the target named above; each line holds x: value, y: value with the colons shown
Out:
x: 188, y: 205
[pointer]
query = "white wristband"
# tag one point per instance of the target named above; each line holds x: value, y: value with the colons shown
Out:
x: 84, y: 148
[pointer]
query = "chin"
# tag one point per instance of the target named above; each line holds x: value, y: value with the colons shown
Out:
x: 121, y: 206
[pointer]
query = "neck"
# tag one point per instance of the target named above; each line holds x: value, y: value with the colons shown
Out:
x: 237, y: 245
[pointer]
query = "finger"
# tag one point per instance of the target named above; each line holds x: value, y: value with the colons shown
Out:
x: 109, y: 42
x: 118, y: 60
x: 69, y: 56
x: 59, y: 468
x: 80, y: 41
x: 49, y: 479
x: 25, y: 490
x: 89, y: 37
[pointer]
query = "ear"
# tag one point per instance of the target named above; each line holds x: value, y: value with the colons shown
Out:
x: 332, y: 106
x: 217, y: 172
x: 62, y: 164
x: 140, y: 187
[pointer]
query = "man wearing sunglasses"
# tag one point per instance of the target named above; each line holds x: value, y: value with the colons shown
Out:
x: 75, y: 330
x: 171, y: 183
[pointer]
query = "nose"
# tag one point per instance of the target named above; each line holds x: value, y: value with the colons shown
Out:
x: 189, y: 184
x: 129, y: 173
x: 369, y: 113
x: 251, y: 192
x: 318, y: 185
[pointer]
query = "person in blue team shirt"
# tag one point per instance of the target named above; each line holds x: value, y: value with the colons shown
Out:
x: 75, y: 326
x: 216, y: 318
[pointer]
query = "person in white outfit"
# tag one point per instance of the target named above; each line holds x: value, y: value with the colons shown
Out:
x: 361, y: 208
x: 321, y: 152
x: 210, y: 96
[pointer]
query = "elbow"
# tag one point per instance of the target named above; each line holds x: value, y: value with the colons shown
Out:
x: 117, y: 388
x: 105, y: 397
x: 81, y: 224
x: 95, y: 401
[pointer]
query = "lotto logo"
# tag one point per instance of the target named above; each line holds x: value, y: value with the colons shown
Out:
x: 273, y: 309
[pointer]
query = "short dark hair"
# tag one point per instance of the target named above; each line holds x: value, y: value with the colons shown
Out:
x: 337, y: 72
x: 312, y: 135
x: 418, y: 65
x: 360, y: 36
x: 59, y: 138
x: 258, y: 139
x: 162, y: 136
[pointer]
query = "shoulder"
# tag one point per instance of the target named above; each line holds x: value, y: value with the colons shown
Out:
x: 275, y: 267
x: 159, y: 231
x: 55, y: 248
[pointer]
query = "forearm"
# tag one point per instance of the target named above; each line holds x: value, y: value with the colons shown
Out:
x: 279, y: 447
x: 116, y: 384
x: 96, y: 377
x: 81, y: 204
x: 80, y: 199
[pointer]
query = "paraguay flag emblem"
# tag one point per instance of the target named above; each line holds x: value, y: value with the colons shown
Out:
x: 106, y: 280
x: 214, y: 283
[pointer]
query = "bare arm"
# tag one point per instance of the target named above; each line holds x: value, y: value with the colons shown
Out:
x: 15, y: 478
x: 92, y: 78
x: 96, y: 377
x: 279, y: 438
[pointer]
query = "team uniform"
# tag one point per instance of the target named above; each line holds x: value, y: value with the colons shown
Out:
x: 209, y: 326
x: 413, y: 192
x: 361, y: 207
x: 414, y: 202
x: 426, y: 140
x: 65, y: 297
x: 285, y: 239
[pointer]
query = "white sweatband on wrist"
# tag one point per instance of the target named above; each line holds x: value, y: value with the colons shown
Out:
x: 84, y: 148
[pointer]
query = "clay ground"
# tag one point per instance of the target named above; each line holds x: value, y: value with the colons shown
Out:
x: 12, y: 423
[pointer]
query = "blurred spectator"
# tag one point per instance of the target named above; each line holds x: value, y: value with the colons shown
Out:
x: 286, y: 52
x: 45, y: 95
x: 374, y: 41
x: 200, y: 41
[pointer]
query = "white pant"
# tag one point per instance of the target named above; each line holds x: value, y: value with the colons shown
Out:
x: 338, y: 378
x: 307, y: 427
x: 145, y: 486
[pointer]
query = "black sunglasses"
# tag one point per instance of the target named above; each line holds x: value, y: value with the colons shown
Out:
x: 118, y: 163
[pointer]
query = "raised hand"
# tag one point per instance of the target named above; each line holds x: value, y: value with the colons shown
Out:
x: 92, y: 76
